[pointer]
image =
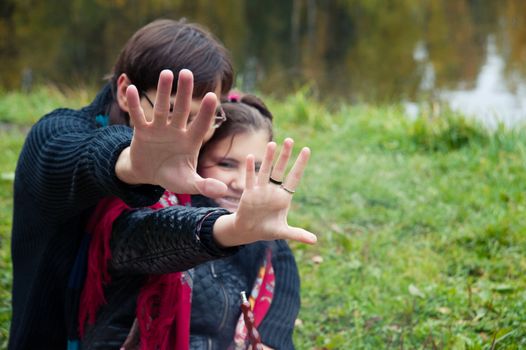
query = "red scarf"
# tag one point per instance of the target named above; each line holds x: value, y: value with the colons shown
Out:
x: 164, y: 302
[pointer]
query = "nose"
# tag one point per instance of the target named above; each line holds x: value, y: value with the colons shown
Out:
x: 238, y: 181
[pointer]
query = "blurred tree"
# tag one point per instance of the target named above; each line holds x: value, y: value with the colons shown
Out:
x: 456, y: 46
x: 380, y: 64
x: 369, y: 50
x: 513, y: 41
x: 8, y: 47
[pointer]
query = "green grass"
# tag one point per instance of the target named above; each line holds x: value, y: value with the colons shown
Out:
x: 10, y: 144
x: 420, y: 225
x: 23, y: 109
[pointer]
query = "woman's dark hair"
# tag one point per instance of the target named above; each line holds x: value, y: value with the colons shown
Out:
x: 246, y: 114
x: 174, y: 45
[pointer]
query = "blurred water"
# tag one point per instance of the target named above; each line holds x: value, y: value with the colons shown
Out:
x: 470, y: 54
x: 492, y: 101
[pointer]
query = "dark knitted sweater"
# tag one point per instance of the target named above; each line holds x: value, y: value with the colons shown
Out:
x: 66, y: 166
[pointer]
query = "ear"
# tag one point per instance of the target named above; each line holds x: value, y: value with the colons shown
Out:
x: 122, y: 84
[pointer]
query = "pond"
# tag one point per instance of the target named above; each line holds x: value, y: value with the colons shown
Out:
x: 468, y: 53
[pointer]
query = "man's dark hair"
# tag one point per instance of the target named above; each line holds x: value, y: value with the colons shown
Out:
x: 174, y: 45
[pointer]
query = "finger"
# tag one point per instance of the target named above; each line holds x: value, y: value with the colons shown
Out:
x: 266, y: 165
x: 211, y: 188
x: 250, y: 174
x: 294, y: 177
x: 196, y: 184
x: 278, y: 172
x: 134, y: 107
x: 183, y: 99
x: 161, y: 108
x: 299, y: 235
x: 203, y: 121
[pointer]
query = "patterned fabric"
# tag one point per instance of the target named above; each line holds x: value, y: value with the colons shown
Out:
x: 260, y: 300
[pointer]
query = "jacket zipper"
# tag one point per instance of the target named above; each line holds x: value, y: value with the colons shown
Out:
x: 225, y: 312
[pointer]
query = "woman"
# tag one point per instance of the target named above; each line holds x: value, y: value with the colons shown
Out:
x: 267, y: 271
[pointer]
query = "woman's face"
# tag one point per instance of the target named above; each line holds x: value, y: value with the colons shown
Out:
x: 225, y: 161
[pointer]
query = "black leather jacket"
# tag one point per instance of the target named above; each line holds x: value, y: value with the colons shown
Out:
x: 216, y: 297
x: 216, y: 294
x: 144, y: 242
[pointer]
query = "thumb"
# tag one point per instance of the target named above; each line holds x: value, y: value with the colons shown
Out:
x: 211, y: 188
x: 299, y: 235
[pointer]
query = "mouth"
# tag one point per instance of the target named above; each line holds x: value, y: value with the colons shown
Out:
x: 230, y: 203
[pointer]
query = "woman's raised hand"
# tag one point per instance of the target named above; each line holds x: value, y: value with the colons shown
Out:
x: 265, y: 203
x: 164, y: 148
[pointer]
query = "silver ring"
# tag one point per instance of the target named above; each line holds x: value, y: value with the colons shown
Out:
x: 287, y: 190
x: 275, y: 182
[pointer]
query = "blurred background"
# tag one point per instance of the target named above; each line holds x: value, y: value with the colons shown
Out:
x: 419, y: 206
x: 469, y: 53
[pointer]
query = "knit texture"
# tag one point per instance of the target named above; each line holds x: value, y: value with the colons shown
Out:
x: 277, y: 327
x: 65, y: 167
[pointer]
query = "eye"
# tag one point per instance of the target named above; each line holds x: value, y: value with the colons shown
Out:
x: 257, y: 167
x: 227, y: 164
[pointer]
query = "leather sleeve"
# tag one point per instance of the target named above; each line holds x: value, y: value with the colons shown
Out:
x: 147, y: 241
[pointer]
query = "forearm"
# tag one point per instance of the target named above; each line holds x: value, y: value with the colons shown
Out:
x: 146, y: 241
x: 69, y: 165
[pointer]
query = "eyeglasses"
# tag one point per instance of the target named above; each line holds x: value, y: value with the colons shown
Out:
x: 219, y: 118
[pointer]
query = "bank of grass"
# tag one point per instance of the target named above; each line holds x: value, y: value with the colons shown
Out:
x: 420, y: 226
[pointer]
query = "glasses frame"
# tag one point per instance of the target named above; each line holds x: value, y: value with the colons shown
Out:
x: 219, y: 118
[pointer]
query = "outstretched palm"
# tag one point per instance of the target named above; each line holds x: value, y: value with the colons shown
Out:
x: 164, y: 150
x: 264, y: 205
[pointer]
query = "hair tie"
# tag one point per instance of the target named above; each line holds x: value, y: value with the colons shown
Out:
x: 234, y: 96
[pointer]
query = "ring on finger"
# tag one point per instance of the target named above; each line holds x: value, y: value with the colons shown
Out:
x: 275, y: 182
x: 287, y: 189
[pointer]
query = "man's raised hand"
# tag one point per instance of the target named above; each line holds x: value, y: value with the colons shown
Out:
x: 164, y: 147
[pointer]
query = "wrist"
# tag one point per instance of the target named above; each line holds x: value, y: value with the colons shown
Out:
x: 224, y: 231
x: 123, y: 169
x: 205, y: 234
